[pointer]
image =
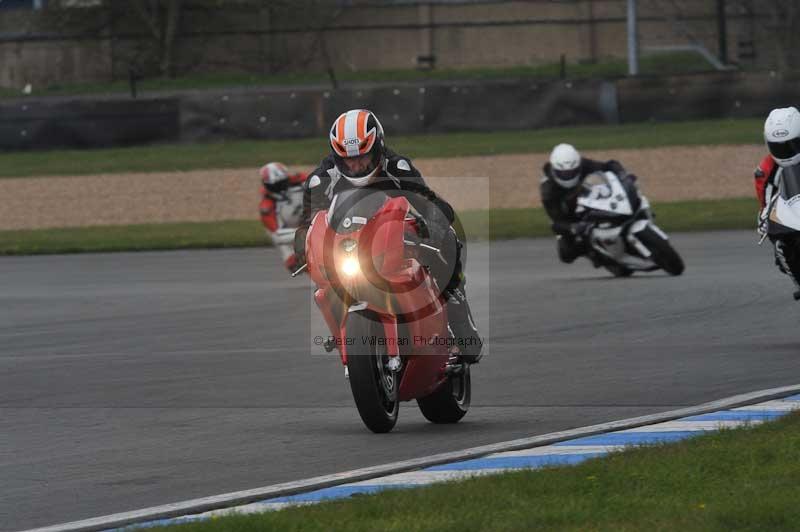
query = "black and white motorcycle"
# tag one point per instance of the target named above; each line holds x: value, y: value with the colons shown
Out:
x: 624, y: 238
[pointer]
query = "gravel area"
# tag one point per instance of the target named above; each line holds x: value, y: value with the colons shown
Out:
x: 502, y: 181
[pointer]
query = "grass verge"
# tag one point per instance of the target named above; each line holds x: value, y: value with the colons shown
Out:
x: 681, y: 216
x: 489, y: 224
x: 739, y: 479
x: 146, y: 237
x: 251, y: 153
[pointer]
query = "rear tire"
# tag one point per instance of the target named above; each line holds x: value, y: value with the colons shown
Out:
x: 374, y: 387
x: 450, y: 402
x: 664, y: 255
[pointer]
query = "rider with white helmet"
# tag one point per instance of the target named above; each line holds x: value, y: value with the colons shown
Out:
x: 359, y: 158
x: 782, y: 137
x: 559, y: 189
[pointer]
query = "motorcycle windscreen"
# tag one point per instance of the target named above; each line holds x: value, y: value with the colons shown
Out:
x: 596, y: 186
x: 351, y: 209
x: 790, y: 184
x: 613, y: 198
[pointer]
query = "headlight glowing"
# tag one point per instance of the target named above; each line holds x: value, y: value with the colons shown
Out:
x: 350, y: 266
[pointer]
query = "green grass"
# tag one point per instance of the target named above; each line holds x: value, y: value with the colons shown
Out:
x: 709, y: 215
x: 493, y: 224
x: 145, y: 237
x: 741, y: 479
x: 249, y: 153
x: 652, y: 64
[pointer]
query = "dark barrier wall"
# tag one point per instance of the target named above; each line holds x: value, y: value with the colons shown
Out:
x: 518, y: 105
x: 723, y: 95
x: 43, y: 124
x: 403, y: 108
x: 250, y: 114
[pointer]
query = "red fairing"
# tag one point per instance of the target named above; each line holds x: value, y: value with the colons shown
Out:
x: 412, y: 313
x: 765, y: 172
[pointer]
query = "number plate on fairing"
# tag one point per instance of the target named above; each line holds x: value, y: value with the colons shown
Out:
x: 605, y: 193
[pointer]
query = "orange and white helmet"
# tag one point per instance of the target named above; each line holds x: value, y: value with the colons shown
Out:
x: 275, y: 177
x: 357, y: 144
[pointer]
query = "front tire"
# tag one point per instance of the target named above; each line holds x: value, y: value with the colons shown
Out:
x: 450, y: 402
x: 664, y: 255
x: 373, y: 385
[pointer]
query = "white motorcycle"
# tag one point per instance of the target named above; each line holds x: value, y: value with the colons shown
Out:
x: 780, y: 220
x: 624, y: 238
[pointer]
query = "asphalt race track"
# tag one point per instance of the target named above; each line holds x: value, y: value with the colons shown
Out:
x: 131, y: 380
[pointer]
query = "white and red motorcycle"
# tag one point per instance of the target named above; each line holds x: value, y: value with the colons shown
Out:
x: 624, y: 238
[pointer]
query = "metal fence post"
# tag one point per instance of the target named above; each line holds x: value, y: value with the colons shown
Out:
x: 633, y: 40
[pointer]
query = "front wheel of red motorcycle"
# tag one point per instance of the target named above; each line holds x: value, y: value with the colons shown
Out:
x: 373, y: 384
x: 450, y: 402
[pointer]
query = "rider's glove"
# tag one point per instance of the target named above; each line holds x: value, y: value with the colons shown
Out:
x: 581, y: 229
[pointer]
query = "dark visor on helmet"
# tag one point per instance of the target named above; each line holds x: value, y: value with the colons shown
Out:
x: 280, y: 186
x: 369, y: 162
x: 566, y: 175
x: 784, y: 150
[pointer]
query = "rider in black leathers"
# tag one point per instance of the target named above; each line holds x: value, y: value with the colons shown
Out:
x: 560, y: 187
x: 359, y: 158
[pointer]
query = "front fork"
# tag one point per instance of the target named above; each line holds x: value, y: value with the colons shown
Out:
x: 392, y: 337
x: 337, y: 326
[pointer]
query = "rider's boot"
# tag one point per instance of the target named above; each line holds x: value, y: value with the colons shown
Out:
x: 462, y: 326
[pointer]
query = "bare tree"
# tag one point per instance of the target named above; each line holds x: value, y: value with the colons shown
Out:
x: 160, y: 19
x: 149, y: 26
x: 172, y: 37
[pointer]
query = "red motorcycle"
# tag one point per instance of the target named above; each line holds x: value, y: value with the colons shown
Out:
x: 384, y: 310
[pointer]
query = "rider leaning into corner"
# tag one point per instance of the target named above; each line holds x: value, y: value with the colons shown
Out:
x: 359, y: 158
x: 280, y: 193
x: 782, y: 136
x: 560, y: 187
